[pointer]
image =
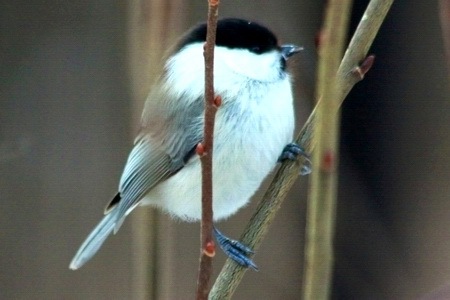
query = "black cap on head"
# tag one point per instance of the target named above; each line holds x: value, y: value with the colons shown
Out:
x: 235, y: 33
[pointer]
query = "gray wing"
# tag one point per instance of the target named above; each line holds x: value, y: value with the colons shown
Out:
x: 169, y: 132
x: 145, y: 168
x: 168, y: 136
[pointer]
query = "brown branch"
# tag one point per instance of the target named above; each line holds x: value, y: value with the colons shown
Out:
x: 322, y: 196
x: 232, y: 274
x: 205, y: 150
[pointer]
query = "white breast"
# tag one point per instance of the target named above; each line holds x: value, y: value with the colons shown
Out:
x: 250, y: 135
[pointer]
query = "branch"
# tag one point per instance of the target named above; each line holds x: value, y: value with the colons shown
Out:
x: 349, y: 73
x: 205, y: 150
x: 444, y: 16
x: 321, y: 204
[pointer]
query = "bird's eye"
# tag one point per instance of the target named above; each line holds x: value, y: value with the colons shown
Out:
x: 256, y: 49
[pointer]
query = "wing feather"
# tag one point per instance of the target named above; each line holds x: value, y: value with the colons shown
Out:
x: 171, y: 127
x: 145, y: 168
x: 168, y: 134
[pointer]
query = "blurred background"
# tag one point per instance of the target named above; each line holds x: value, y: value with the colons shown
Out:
x: 73, y: 79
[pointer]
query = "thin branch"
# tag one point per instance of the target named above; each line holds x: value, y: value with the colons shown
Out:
x: 323, y: 185
x: 444, y: 16
x: 205, y: 150
x: 355, y: 55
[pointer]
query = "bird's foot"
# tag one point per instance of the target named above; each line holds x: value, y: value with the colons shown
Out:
x: 291, y: 151
x: 235, y: 250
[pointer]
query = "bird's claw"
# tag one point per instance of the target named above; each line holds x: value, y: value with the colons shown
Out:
x: 291, y: 152
x: 235, y: 250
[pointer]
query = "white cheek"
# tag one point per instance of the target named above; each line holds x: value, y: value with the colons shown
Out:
x: 185, y: 71
x: 261, y: 67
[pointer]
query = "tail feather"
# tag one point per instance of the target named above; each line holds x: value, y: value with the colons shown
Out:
x: 94, y: 241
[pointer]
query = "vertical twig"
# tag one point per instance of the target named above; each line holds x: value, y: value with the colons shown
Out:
x: 205, y: 150
x: 350, y: 72
x: 152, y: 27
x: 323, y: 186
x: 444, y: 16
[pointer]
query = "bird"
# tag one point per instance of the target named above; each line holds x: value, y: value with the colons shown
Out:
x: 253, y: 132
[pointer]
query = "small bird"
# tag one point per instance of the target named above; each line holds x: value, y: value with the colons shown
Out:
x: 253, y: 131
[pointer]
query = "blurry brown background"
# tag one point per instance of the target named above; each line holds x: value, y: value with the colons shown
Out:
x: 73, y: 78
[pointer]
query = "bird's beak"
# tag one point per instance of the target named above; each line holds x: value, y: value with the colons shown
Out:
x: 289, y: 50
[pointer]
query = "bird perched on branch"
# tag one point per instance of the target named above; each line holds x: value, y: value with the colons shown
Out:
x: 253, y: 130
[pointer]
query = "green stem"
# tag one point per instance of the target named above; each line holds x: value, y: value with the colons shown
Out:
x: 323, y: 186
